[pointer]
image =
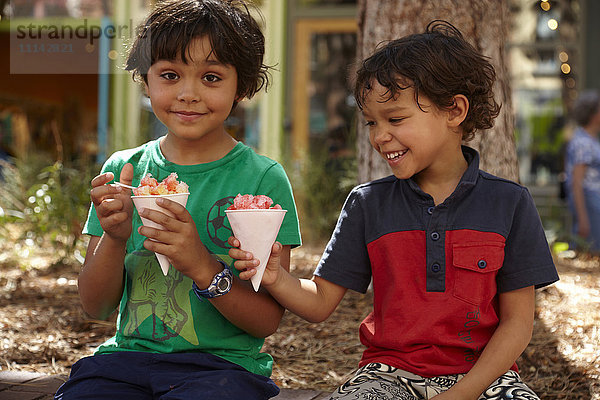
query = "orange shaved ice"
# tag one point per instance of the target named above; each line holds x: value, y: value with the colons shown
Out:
x: 149, y: 186
x: 149, y: 181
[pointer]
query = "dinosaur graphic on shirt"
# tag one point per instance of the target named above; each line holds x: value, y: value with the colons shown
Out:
x: 165, y: 300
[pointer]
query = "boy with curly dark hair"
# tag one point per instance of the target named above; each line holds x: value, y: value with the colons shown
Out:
x: 454, y: 254
x: 196, y: 332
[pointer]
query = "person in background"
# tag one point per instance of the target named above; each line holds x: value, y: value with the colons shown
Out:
x: 582, y: 166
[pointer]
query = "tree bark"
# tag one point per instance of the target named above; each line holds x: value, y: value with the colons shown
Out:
x: 484, y: 23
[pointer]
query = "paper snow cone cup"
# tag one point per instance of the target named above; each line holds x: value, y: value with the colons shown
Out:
x: 149, y: 202
x: 256, y: 229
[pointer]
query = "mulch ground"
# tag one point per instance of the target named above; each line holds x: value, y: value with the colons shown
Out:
x: 43, y: 329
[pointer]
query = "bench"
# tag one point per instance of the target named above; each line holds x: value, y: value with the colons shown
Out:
x: 20, y: 385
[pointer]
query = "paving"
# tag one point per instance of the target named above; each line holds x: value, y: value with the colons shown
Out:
x: 19, y: 385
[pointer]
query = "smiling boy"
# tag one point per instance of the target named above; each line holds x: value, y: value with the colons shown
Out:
x: 196, y: 332
x: 174, y: 88
x: 454, y: 254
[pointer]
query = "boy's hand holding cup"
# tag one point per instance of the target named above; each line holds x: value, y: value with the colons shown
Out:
x: 247, y: 264
x: 146, y: 196
x: 255, y: 224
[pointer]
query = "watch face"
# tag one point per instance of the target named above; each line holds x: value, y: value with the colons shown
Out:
x: 223, y: 284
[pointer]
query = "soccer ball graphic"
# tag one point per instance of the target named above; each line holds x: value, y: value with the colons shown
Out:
x: 217, y: 225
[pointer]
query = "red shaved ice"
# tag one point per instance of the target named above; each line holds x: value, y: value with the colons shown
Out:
x: 251, y: 202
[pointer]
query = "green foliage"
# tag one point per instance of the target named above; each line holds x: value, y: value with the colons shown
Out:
x: 44, y: 204
x: 547, y: 128
x: 326, y: 182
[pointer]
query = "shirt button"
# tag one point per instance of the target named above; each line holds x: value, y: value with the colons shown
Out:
x: 436, y: 267
x: 435, y: 236
x: 481, y: 264
x: 430, y: 210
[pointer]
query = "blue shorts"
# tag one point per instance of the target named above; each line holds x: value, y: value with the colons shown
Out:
x: 140, y: 375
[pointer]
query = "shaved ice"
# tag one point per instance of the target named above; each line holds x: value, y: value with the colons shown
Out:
x: 255, y: 222
x: 149, y: 186
x: 251, y: 202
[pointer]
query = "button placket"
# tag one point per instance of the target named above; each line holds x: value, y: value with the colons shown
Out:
x: 436, y: 253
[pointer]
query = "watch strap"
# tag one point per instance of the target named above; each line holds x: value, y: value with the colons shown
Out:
x: 213, y: 290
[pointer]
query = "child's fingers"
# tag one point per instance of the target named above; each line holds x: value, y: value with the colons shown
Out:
x: 180, y: 211
x: 126, y: 175
x: 149, y: 232
x: 276, y: 249
x: 100, y: 193
x: 156, y: 247
x: 239, y: 254
x: 158, y: 235
x: 157, y: 216
x: 233, y: 242
x: 247, y: 274
x: 108, y: 206
x: 247, y: 268
x: 113, y: 220
x: 242, y: 265
x: 102, y: 179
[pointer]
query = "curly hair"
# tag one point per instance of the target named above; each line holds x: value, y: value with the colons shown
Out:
x: 438, y: 64
x: 235, y: 37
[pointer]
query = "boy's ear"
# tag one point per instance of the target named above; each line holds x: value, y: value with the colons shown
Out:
x: 458, y: 112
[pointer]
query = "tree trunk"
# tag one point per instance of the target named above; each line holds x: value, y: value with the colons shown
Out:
x: 484, y: 23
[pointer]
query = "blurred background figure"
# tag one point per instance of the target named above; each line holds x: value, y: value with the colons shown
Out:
x: 583, y: 170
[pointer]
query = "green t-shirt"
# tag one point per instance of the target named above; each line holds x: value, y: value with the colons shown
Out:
x: 161, y: 314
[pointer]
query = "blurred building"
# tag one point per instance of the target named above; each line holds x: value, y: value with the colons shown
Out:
x: 49, y: 81
x: 63, y: 89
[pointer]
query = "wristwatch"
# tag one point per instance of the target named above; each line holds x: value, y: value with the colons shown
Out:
x: 220, y: 285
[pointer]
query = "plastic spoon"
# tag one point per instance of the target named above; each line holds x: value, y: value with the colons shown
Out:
x: 124, y: 185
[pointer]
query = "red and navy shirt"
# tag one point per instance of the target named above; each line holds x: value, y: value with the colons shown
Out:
x: 436, y: 270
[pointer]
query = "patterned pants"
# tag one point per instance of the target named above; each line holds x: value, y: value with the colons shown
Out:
x: 377, y: 381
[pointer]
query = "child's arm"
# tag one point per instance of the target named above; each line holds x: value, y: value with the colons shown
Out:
x: 254, y: 312
x: 506, y: 344
x: 583, y: 221
x: 314, y: 299
x: 101, y: 278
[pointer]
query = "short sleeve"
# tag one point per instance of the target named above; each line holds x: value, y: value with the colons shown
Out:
x: 527, y: 257
x: 276, y: 185
x: 582, y: 152
x: 345, y: 261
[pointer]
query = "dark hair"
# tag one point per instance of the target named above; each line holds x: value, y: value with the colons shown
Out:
x: 235, y: 37
x: 438, y: 64
x: 586, y: 105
